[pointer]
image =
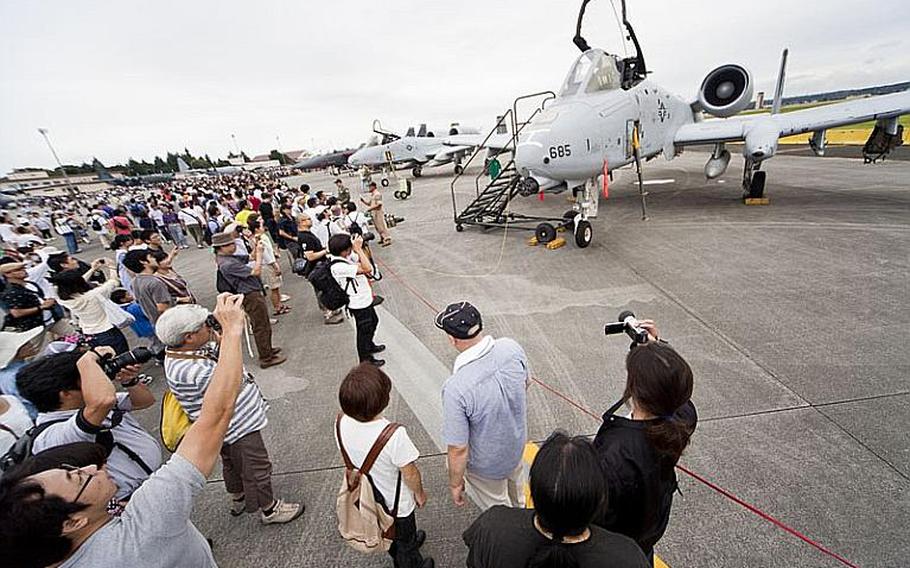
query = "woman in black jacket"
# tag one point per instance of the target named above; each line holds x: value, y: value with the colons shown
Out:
x: 638, y: 454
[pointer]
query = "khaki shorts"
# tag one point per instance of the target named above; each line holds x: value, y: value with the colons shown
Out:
x: 270, y: 277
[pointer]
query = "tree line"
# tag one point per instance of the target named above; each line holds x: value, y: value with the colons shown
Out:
x: 165, y: 165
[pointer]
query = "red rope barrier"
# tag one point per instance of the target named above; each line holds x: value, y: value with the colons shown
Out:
x: 713, y: 486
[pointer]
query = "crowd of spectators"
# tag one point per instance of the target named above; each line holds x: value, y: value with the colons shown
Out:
x: 83, y: 484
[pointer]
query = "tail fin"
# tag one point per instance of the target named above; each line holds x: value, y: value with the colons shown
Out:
x: 182, y: 166
x: 779, y: 89
x: 422, y: 131
x: 101, y: 171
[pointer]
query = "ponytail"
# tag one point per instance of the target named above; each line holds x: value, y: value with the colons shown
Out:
x: 660, y: 381
x: 669, y: 435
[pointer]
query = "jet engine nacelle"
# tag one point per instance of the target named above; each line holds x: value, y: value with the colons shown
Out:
x: 457, y: 129
x: 726, y: 91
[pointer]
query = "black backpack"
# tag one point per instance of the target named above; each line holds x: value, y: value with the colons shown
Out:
x: 331, y: 294
x: 222, y: 284
x: 22, y: 448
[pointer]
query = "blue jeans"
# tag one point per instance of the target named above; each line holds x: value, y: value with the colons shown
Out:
x: 176, y: 232
x: 71, y: 244
x: 111, y: 338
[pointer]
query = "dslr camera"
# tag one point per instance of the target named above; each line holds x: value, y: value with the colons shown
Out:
x: 113, y: 364
x: 629, y: 325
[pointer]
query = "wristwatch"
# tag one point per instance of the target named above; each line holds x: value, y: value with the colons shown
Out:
x: 132, y: 383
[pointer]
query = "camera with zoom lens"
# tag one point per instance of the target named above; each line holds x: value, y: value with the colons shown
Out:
x: 368, y: 236
x: 113, y: 364
x: 629, y: 325
x: 213, y: 323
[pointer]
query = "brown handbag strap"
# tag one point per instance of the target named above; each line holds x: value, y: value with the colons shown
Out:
x: 380, y: 443
x: 344, y: 454
x: 375, y: 450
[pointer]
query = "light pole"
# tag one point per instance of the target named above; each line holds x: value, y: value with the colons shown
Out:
x: 236, y: 147
x: 69, y: 184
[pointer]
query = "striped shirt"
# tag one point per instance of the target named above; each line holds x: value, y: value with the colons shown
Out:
x: 188, y: 374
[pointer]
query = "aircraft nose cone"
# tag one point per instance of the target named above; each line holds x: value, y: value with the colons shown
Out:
x: 530, y: 157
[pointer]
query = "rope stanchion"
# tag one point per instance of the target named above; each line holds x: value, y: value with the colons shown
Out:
x: 709, y: 484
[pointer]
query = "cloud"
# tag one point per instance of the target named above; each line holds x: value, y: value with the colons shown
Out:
x: 116, y: 79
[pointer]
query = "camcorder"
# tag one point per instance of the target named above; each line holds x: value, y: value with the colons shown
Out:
x: 112, y: 364
x: 629, y: 325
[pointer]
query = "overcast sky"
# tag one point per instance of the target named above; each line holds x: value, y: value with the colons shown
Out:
x: 120, y: 79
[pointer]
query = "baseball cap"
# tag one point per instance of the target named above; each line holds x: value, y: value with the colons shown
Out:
x: 460, y: 320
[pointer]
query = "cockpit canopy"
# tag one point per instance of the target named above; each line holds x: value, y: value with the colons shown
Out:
x: 594, y: 71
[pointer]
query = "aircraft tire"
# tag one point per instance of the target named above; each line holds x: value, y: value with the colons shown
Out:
x: 584, y: 234
x: 416, y: 171
x: 384, y: 182
x: 459, y: 228
x: 458, y: 169
x: 545, y: 233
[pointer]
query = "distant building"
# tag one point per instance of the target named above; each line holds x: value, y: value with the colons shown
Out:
x: 40, y: 183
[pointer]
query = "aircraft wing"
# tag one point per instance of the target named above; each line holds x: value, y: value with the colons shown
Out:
x: 446, y: 151
x: 496, y: 141
x: 796, y: 122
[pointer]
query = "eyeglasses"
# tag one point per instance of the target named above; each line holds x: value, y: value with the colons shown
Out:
x: 78, y: 471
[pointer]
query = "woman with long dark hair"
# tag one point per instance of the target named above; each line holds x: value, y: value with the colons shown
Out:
x: 568, y: 492
x: 85, y: 304
x: 639, y: 453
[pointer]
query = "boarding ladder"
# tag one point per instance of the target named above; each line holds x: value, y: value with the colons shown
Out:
x: 489, y: 208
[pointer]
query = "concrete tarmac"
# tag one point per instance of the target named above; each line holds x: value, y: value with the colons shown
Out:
x: 794, y: 317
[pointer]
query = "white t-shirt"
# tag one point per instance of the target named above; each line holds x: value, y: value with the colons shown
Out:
x: 7, y: 232
x: 15, y: 418
x: 358, y: 438
x: 268, y: 251
x: 321, y: 230
x: 359, y: 291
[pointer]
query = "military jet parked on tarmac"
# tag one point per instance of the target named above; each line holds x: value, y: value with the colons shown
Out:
x: 426, y: 148
x: 184, y: 168
x: 608, y: 115
x: 322, y: 161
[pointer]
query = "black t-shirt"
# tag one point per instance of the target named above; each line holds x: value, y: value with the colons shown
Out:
x: 308, y: 243
x: 640, y: 480
x: 506, y: 538
x: 19, y: 297
x: 287, y: 225
x: 266, y: 211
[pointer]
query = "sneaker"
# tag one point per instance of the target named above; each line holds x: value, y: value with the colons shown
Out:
x: 145, y: 379
x: 377, y: 299
x: 238, y: 507
x: 376, y: 362
x: 428, y: 562
x: 282, y: 513
x: 272, y: 361
x: 199, y: 246
x: 273, y: 321
x: 378, y: 348
x: 334, y: 319
x: 420, y: 537
x: 285, y: 298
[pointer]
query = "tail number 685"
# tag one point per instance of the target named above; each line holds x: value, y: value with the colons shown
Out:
x: 561, y: 151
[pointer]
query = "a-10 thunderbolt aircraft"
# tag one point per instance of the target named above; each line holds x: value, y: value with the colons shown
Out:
x: 607, y: 115
x: 427, y: 148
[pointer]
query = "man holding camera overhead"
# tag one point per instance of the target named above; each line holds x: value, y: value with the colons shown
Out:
x: 193, y: 340
x: 77, y: 402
